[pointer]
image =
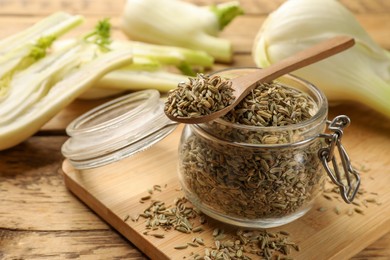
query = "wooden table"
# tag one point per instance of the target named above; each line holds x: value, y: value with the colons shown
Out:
x: 40, y: 218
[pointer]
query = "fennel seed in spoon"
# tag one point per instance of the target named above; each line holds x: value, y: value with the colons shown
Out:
x: 200, y: 96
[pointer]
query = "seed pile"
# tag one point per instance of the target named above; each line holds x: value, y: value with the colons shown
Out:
x: 177, y: 217
x: 262, y: 243
x: 273, y: 104
x: 200, y: 96
x: 161, y: 218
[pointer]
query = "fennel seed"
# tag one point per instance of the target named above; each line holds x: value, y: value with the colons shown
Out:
x: 321, y: 209
x: 197, y: 229
x: 327, y: 197
x: 157, y: 235
x: 199, y: 240
x: 273, y: 104
x: 192, y: 244
x: 145, y: 198
x: 184, y: 246
x: 360, y: 211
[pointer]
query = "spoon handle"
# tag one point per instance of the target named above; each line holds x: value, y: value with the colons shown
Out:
x: 301, y: 59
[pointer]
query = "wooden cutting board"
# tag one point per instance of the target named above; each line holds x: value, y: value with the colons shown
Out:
x: 114, y: 192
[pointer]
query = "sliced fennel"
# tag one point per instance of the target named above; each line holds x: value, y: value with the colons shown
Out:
x: 31, y: 84
x: 168, y: 55
x: 19, y: 51
x: 360, y: 74
x: 138, y: 80
x: 56, y: 24
x: 179, y: 23
x: 152, y: 57
x: 50, y: 97
x: 150, y: 69
x: 38, y: 92
x: 122, y: 80
x: 151, y: 66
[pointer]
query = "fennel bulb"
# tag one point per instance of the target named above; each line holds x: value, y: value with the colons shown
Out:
x: 179, y: 23
x: 36, y: 93
x: 23, y: 49
x: 360, y: 74
x: 56, y: 24
x: 150, y: 68
x: 49, y: 99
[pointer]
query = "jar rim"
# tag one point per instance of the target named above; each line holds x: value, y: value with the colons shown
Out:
x: 321, y: 113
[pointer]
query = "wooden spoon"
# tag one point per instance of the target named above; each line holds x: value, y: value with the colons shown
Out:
x: 244, y: 84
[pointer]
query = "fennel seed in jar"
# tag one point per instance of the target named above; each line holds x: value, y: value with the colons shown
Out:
x: 273, y: 104
x: 247, y: 181
x: 268, y: 105
x: 200, y: 96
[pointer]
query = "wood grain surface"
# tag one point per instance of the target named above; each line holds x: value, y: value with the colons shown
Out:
x: 114, y: 191
x: 41, y: 219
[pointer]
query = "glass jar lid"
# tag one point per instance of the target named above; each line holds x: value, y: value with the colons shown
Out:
x: 117, y: 129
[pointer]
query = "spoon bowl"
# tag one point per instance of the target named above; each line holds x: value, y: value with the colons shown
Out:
x: 244, y: 84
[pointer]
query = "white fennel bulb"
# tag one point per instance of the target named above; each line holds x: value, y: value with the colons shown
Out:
x: 360, y: 74
x: 180, y: 23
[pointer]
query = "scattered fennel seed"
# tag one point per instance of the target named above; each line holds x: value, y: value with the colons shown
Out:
x: 360, y: 211
x: 197, y: 229
x: 146, y: 198
x: 321, y: 209
x: 157, y: 187
x: 157, y: 235
x: 284, y: 233
x: 356, y: 203
x: 327, y: 197
x: 192, y: 244
x: 371, y: 200
x: 199, y: 240
x: 362, y: 199
x: 184, y: 246
x: 241, y: 245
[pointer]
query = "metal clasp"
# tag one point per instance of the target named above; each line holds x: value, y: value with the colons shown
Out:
x: 347, y: 179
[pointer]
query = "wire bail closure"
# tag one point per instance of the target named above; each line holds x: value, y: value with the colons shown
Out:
x: 347, y: 179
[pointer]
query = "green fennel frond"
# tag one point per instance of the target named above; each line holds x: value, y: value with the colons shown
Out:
x: 226, y: 12
x: 186, y: 69
x: 101, y: 35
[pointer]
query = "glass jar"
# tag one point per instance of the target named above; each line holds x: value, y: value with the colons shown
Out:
x: 257, y: 177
